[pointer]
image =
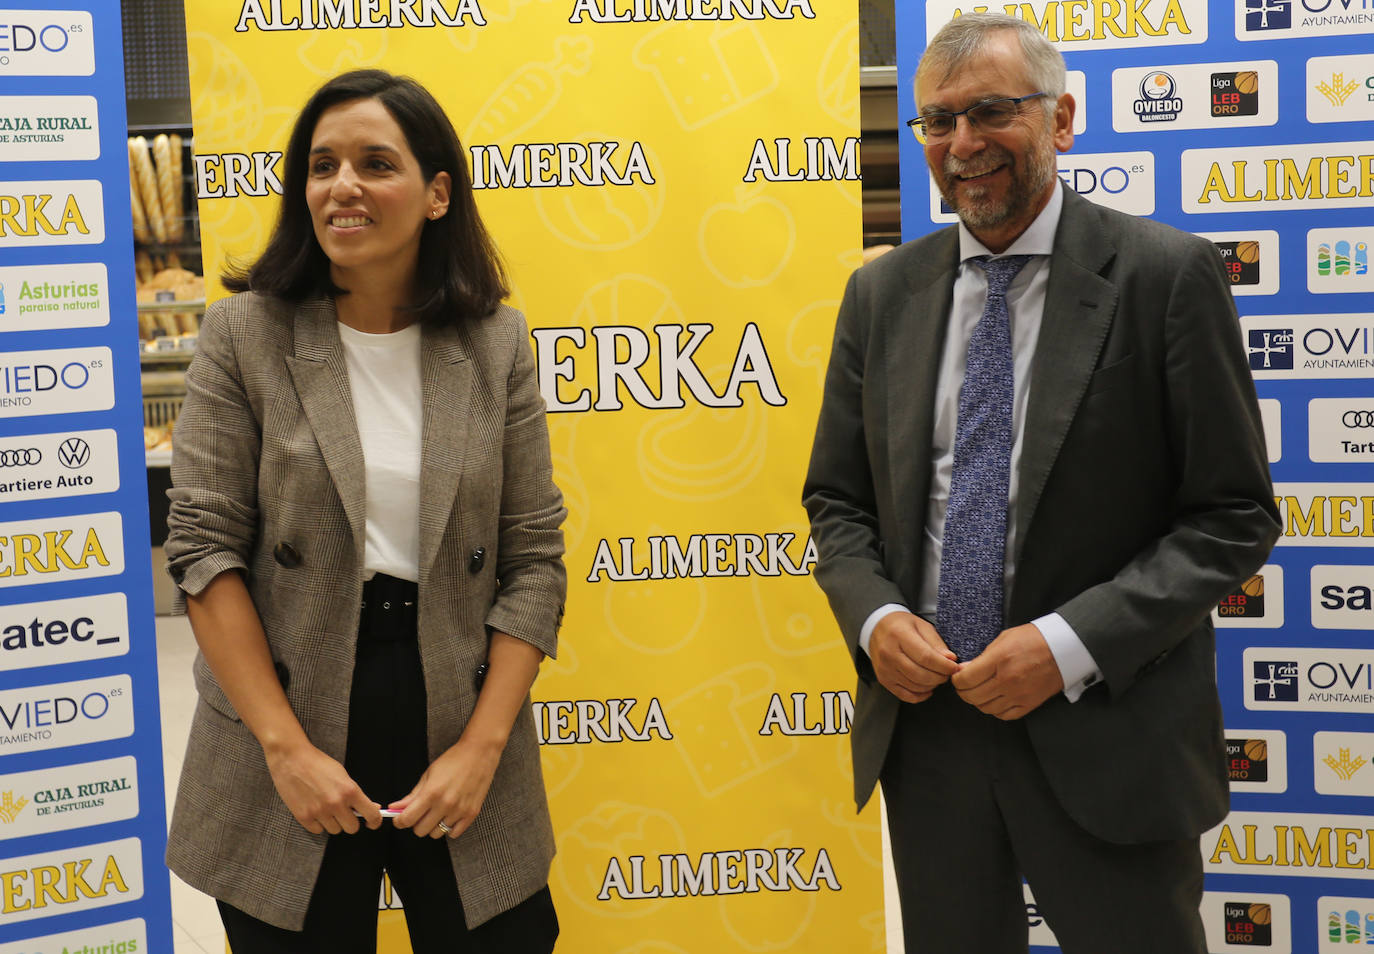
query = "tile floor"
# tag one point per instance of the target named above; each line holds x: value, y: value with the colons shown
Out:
x: 195, y: 921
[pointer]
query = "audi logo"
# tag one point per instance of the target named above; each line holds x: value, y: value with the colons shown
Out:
x: 20, y: 457
x: 1358, y: 418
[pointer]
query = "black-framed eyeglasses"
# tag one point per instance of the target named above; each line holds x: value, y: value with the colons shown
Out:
x: 990, y: 116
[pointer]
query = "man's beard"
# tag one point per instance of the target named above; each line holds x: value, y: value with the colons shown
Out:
x: 975, y: 207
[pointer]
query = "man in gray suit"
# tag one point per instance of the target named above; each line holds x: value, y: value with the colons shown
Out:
x: 1038, y: 465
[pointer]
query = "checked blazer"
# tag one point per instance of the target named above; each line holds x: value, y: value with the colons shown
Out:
x: 268, y: 479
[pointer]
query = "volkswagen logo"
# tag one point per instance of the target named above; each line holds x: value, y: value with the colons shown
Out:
x: 1358, y: 418
x: 20, y: 456
x: 74, y: 453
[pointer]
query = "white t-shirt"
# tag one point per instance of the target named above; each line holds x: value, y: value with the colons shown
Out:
x: 384, y: 376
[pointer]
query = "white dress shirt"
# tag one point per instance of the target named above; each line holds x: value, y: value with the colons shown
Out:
x: 1026, y: 307
x: 388, y: 404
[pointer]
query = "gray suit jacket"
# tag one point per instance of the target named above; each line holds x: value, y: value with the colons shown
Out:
x: 1144, y: 498
x: 266, y: 452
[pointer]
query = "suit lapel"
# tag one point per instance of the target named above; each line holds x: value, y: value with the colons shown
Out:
x: 1079, y: 307
x: 447, y: 385
x: 916, y: 342
x: 320, y: 377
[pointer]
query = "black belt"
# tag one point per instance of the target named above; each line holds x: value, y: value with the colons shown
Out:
x: 389, y: 610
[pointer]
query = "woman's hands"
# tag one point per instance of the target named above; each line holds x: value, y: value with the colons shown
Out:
x: 319, y: 792
x: 451, y: 791
x: 454, y: 786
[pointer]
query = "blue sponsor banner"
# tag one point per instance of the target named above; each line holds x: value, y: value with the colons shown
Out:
x: 82, y: 819
x: 1249, y: 122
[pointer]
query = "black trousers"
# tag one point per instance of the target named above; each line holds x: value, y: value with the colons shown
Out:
x: 970, y: 813
x: 387, y: 754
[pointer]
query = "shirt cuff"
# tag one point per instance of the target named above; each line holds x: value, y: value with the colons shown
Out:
x: 1076, y: 664
x: 866, y: 633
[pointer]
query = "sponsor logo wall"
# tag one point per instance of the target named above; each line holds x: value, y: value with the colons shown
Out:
x: 1203, y: 113
x: 82, y: 821
x: 674, y: 186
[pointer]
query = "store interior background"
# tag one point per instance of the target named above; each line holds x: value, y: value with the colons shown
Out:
x: 157, y: 90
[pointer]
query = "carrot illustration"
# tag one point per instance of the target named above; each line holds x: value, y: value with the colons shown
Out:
x: 529, y: 94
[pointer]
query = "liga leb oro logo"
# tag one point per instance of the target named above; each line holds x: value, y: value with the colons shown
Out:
x: 1247, y: 760
x: 1271, y: 349
x: 1276, y: 681
x: 1268, y: 14
x: 1245, y: 601
x: 1241, y: 260
x: 1249, y: 923
x: 1235, y: 94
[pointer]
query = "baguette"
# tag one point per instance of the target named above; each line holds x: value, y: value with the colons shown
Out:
x: 142, y: 164
x: 143, y: 266
x: 179, y: 213
x: 166, y: 186
x: 141, y: 234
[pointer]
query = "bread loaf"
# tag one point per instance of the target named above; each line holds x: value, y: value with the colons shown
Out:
x: 179, y: 213
x: 167, y: 186
x: 141, y: 234
x: 142, y: 165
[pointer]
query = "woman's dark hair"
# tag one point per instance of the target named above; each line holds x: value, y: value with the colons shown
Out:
x: 459, y: 274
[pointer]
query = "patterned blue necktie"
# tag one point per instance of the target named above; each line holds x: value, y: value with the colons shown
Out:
x: 969, y: 611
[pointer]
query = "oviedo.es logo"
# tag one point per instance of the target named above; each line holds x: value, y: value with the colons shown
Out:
x: 46, y: 43
x: 37, y: 718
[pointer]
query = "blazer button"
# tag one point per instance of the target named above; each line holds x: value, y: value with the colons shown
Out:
x: 287, y: 555
x: 477, y: 560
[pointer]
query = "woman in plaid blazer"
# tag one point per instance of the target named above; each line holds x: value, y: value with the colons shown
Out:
x: 367, y: 536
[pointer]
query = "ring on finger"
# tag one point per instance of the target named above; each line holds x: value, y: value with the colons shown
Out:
x: 445, y: 828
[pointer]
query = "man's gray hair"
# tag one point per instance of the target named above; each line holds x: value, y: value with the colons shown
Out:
x: 964, y: 37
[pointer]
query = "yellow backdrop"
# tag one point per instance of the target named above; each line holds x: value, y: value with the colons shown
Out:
x: 674, y: 186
